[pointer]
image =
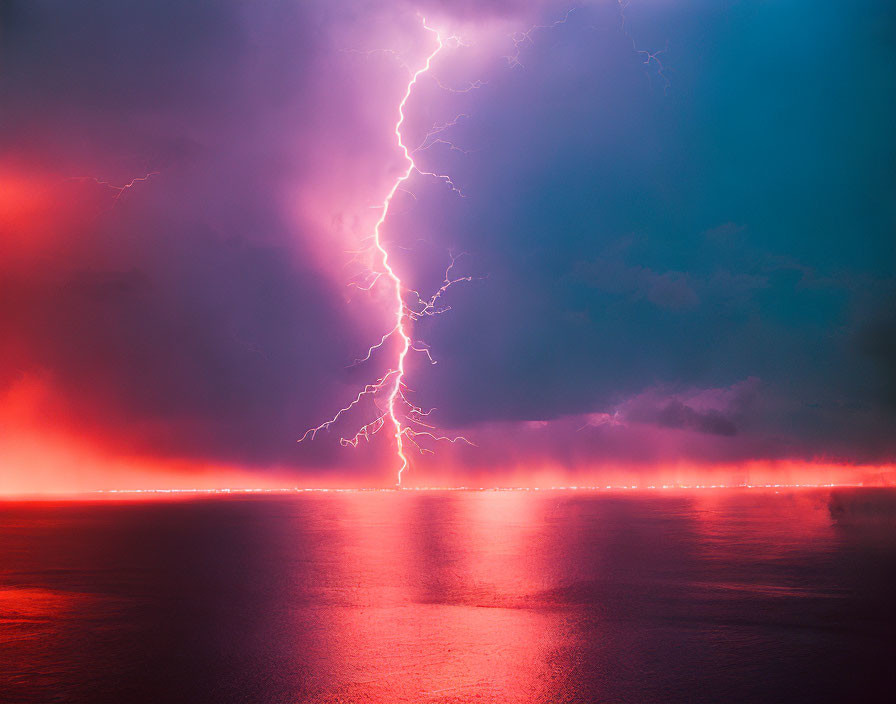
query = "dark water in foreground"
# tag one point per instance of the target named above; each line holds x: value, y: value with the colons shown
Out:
x: 447, y: 597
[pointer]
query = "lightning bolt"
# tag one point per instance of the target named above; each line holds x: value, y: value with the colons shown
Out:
x: 650, y: 57
x: 399, y: 413
x: 406, y: 420
x: 118, y: 191
x: 521, y: 39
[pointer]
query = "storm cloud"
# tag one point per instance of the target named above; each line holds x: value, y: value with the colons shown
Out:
x: 701, y: 247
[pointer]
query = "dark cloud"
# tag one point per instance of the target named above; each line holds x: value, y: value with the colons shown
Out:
x: 676, y: 414
x: 709, y: 411
x: 637, y: 249
x: 670, y: 289
x: 878, y: 340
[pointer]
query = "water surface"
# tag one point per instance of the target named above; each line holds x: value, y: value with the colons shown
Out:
x: 394, y: 597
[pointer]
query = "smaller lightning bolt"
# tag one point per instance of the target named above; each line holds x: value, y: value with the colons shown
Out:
x: 119, y: 191
x: 520, y: 39
x: 654, y: 56
x: 649, y: 56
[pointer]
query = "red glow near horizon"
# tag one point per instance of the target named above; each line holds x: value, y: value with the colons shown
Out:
x: 584, y: 488
x: 147, y: 479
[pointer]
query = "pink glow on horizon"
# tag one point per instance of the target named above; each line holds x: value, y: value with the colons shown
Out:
x: 45, y: 451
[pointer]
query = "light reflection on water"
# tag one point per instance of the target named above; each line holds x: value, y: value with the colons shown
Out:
x: 446, y: 597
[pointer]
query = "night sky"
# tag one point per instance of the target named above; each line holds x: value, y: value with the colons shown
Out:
x: 680, y: 261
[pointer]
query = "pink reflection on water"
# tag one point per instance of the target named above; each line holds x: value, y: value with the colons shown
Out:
x: 423, y: 602
x: 763, y: 526
x: 408, y: 597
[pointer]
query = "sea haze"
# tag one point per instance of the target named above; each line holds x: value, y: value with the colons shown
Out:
x: 390, y: 597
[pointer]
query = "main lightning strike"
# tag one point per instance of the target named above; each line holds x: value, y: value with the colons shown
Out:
x: 392, y: 382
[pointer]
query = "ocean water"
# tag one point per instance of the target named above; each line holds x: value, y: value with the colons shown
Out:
x: 391, y: 597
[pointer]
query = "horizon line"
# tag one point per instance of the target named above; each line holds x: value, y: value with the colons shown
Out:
x: 99, y: 493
